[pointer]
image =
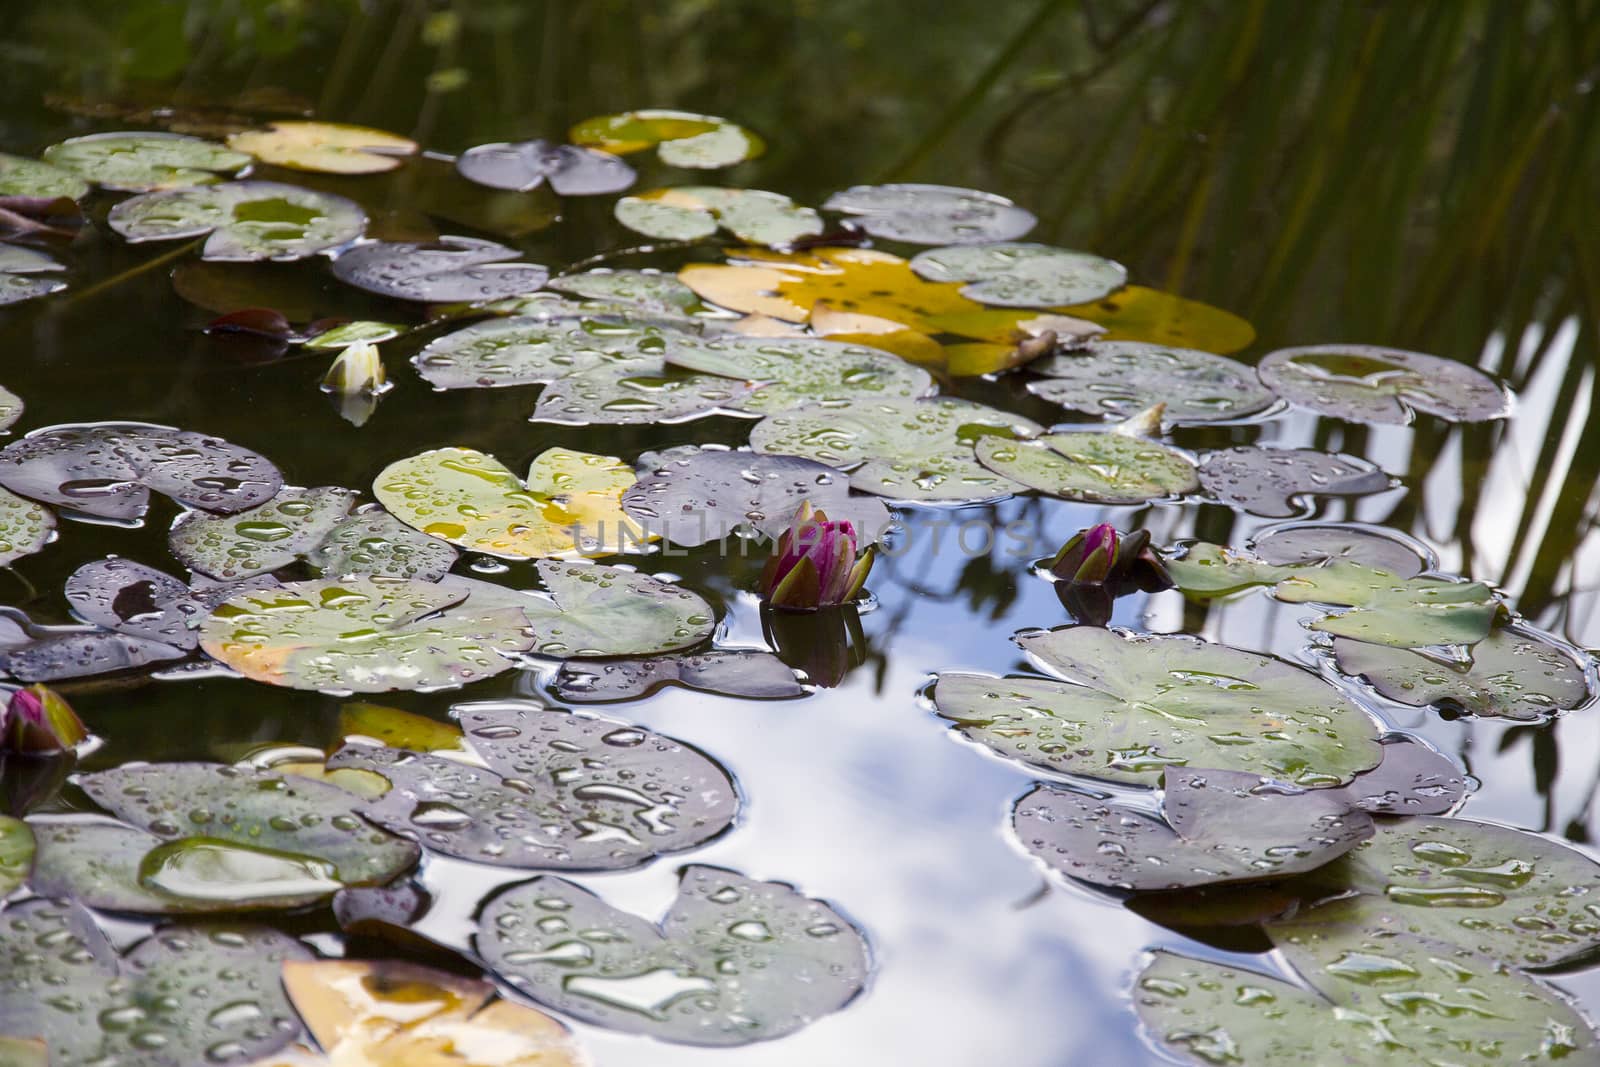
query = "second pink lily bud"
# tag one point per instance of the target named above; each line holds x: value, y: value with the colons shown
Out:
x: 818, y: 563
x: 38, y: 720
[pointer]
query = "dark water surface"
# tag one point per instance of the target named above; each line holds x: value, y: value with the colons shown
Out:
x: 1414, y: 175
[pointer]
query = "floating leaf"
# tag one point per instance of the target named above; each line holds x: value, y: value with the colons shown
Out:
x: 1012, y: 274
x: 1134, y: 704
x: 696, y: 496
x: 1413, y: 779
x: 398, y: 729
x: 569, y: 505
x: 1226, y: 827
x: 145, y: 162
x: 325, y: 147
x: 205, y: 993
x: 16, y: 854
x: 247, y: 221
x: 25, y: 527
x: 789, y: 374
x: 1110, y: 468
x: 932, y: 214
x: 371, y: 541
x: 1511, y: 674
x: 24, y: 1052
x: 636, y: 394
x: 1134, y: 313
x: 734, y: 961
x: 76, y: 654
x: 748, y: 674
x: 262, y: 538
x: 1365, y: 383
x: 1268, y: 481
x: 451, y: 269
x: 10, y: 408
x: 107, y: 470
x: 130, y: 598
x: 353, y: 333
x: 1319, y: 543
x: 26, y: 273
x: 1120, y: 378
x: 602, y: 611
x: 885, y: 334
x: 20, y: 176
x: 689, y: 212
x: 525, y: 165
x: 563, y: 791
x: 649, y: 290
x: 684, y: 138
x: 528, y: 351
x: 899, y: 448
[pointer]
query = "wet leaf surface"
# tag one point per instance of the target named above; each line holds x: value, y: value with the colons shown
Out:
x: 371, y: 541
x: 1109, y: 468
x: 562, y: 791
x: 130, y: 598
x: 1131, y: 705
x: 646, y: 290
x: 325, y: 147
x: 1121, y: 378
x: 1319, y: 543
x: 1413, y: 779
x: 682, y: 138
x: 789, y: 374
x: 527, y: 351
x: 734, y: 961
x: 1364, y: 383
x: 1020, y: 274
x: 603, y: 611
x: 20, y: 176
x: 687, y: 213
x: 1269, y: 481
x: 452, y: 269
x: 25, y: 527
x: 143, y: 162
x: 262, y: 538
x: 10, y: 408
x: 59, y: 655
x: 748, y: 674
x: 26, y: 273
x: 16, y: 853
x: 525, y: 165
x: 931, y: 214
x: 246, y: 221
x: 630, y: 394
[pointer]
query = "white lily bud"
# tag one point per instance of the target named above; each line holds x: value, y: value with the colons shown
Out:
x: 359, y: 369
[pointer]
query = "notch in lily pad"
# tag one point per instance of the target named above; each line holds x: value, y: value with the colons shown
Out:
x: 681, y: 138
x: 522, y: 166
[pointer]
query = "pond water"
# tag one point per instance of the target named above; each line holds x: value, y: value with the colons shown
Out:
x: 1249, y: 156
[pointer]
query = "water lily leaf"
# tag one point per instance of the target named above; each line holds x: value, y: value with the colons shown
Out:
x: 697, y: 496
x: 77, y: 654
x: 603, y: 611
x: 645, y: 289
x: 569, y: 505
x: 1226, y: 827
x: 24, y: 1052
x: 528, y: 351
x: 1318, y: 543
x: 1435, y: 1006
x: 632, y: 393
x: 748, y: 674
x: 789, y: 374
x: 1413, y: 779
x: 25, y: 527
x: 690, y: 212
x: 1506, y: 894
x: 1269, y: 481
x: 206, y: 993
x: 1511, y: 674
x: 26, y: 273
x: 1133, y: 704
x: 525, y: 165
x: 145, y: 162
x: 1365, y: 383
x: 734, y: 961
x: 1012, y: 274
x: 886, y: 334
x: 932, y: 214
x: 324, y: 147
x: 355, y: 333
x: 899, y: 448
x: 107, y: 470
x: 563, y: 791
x: 130, y: 598
x: 16, y: 853
x: 388, y: 1012
x: 369, y: 635
x: 1121, y: 378
x: 247, y: 221
x: 1111, y: 468
x: 396, y: 728
x: 371, y: 541
x: 262, y: 538
x: 10, y: 408
x: 1135, y: 313
x: 451, y: 269
x: 20, y: 176
x: 682, y: 138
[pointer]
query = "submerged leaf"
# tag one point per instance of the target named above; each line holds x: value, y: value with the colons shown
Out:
x: 247, y: 221
x: 145, y: 162
x: 685, y: 139
x: 932, y: 214
x: 325, y: 147
x: 525, y: 165
x: 449, y: 270
x: 1110, y: 468
x: 1269, y: 481
x: 1365, y: 383
x: 1119, y: 378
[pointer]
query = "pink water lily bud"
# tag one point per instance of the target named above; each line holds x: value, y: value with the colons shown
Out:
x: 38, y: 720
x: 1099, y: 564
x: 818, y: 563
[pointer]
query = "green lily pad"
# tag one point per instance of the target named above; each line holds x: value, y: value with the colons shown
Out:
x: 1513, y: 896
x: 664, y: 219
x: 20, y: 176
x: 1511, y: 674
x: 24, y: 1052
x: 1133, y: 704
x: 1226, y: 826
x: 1319, y: 543
x: 25, y: 527
x: 932, y: 214
x: 792, y: 373
x: 325, y: 147
x: 570, y: 504
x: 1123, y: 378
x: 1398, y: 1004
x: 16, y: 853
x: 26, y: 273
x: 1269, y: 481
x: 1364, y: 383
x: 206, y: 993
x: 10, y: 408
x: 898, y: 447
x: 1110, y: 468
x: 734, y: 961
x: 528, y: 351
x: 1413, y: 779
x: 145, y: 162
x: 1021, y: 274
x: 602, y: 611
x: 645, y: 289
x: 744, y: 673
x: 687, y: 213
x: 262, y: 538
x: 685, y: 139
x: 371, y: 541
x: 355, y: 333
x: 635, y: 394
x: 246, y: 221
x: 449, y: 270
x: 562, y: 791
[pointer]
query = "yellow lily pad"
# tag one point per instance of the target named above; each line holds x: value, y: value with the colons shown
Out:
x: 1135, y: 313
x: 396, y: 728
x: 685, y: 138
x: 325, y: 147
